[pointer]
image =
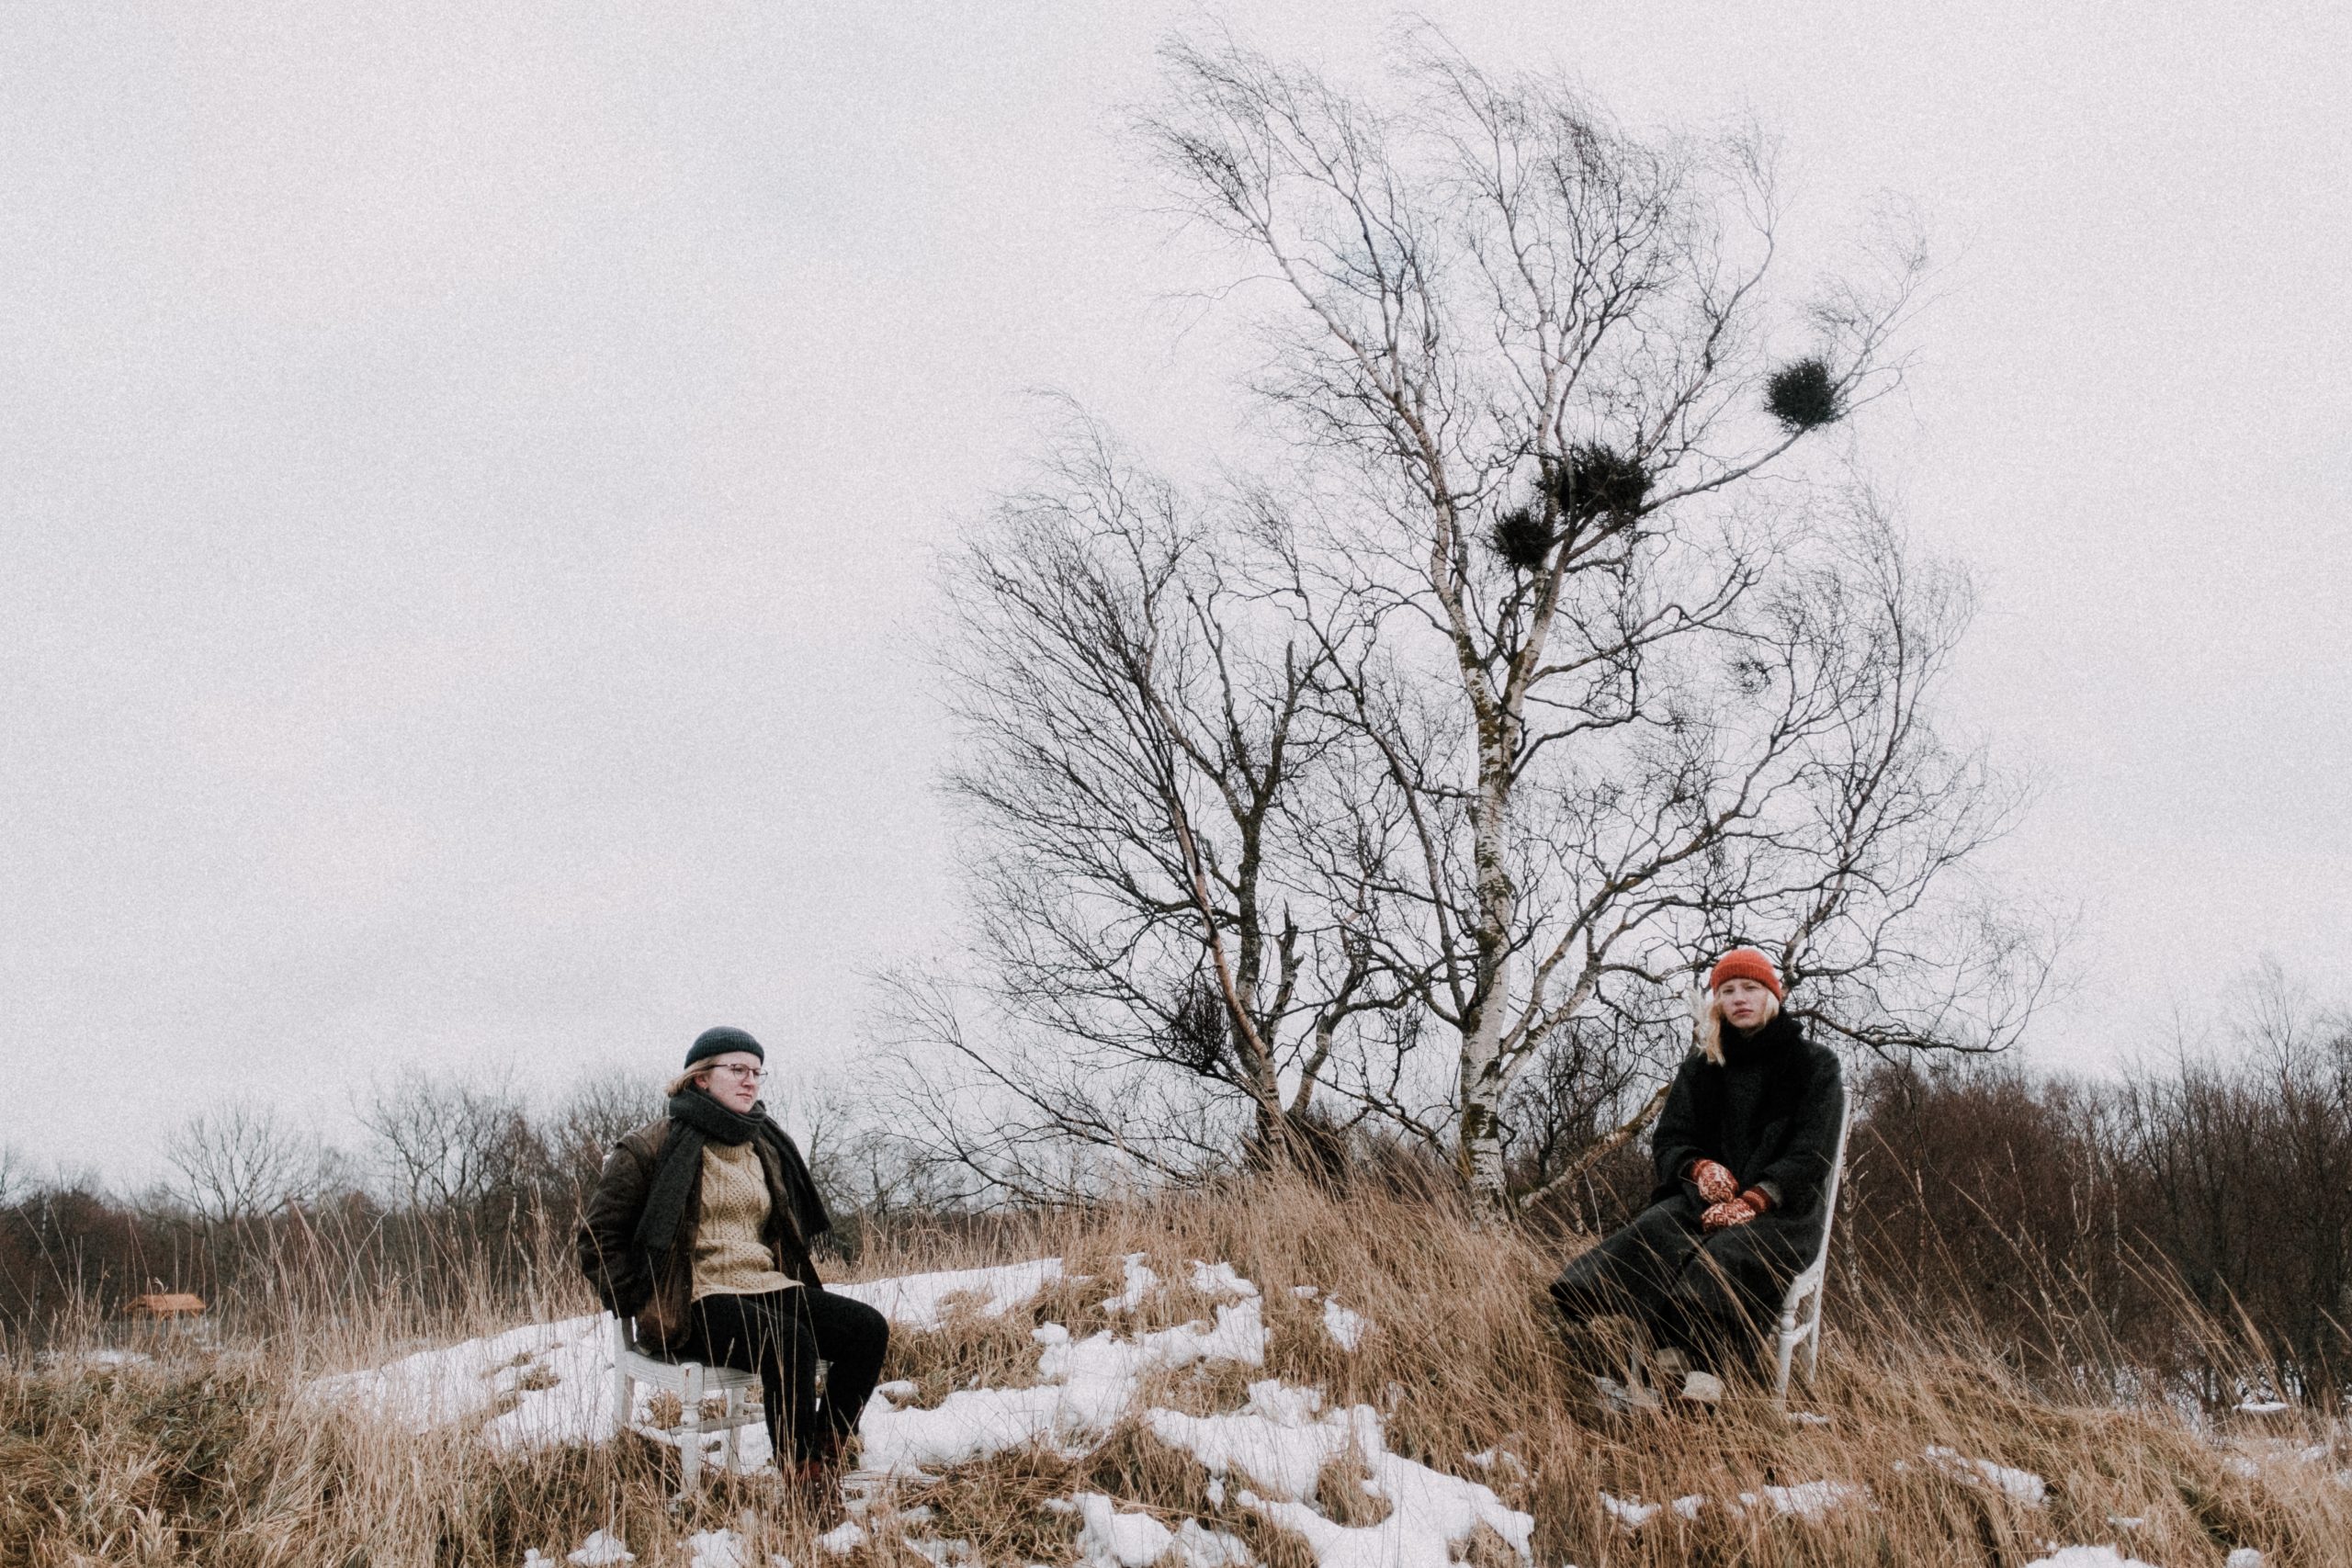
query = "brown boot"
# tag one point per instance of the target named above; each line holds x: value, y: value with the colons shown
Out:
x: 817, y: 1482
x: 818, y: 1489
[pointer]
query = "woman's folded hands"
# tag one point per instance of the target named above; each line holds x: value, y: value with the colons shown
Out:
x: 1715, y: 1182
x: 1726, y: 1204
x: 1737, y: 1211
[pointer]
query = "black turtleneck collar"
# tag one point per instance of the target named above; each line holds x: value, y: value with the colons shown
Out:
x: 1776, y: 1036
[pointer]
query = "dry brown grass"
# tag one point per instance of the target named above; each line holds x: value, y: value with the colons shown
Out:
x: 213, y: 1456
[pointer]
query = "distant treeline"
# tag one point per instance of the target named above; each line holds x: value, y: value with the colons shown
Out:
x: 2080, y: 1222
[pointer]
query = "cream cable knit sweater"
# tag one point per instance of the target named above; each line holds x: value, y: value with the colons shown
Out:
x: 729, y: 1257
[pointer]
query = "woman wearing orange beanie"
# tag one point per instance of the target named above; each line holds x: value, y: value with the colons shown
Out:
x: 1743, y: 1150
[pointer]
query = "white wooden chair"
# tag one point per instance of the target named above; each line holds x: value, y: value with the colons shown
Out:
x: 693, y: 1382
x: 1799, y: 1323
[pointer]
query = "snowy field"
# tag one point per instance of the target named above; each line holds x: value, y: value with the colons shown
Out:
x: 546, y: 1384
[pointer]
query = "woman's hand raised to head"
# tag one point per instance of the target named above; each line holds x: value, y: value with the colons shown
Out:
x: 1716, y: 1183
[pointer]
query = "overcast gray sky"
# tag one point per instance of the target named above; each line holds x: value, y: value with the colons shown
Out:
x: 468, y: 475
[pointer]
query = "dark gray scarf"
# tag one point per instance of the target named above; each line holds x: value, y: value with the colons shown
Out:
x: 696, y: 1119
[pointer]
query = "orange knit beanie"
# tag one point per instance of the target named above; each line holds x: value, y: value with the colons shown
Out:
x: 1746, y: 963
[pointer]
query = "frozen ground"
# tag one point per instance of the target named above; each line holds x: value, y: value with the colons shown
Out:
x: 549, y: 1384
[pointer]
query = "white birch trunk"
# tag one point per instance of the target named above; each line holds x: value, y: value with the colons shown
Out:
x: 1478, y: 1115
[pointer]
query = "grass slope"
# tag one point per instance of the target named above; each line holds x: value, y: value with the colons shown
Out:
x: 217, y: 1456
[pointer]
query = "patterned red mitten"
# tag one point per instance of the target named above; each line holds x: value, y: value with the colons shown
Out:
x: 1721, y: 1216
x: 1716, y: 1183
x: 1756, y: 1199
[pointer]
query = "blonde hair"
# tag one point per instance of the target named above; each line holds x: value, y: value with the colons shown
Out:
x: 1707, y: 1021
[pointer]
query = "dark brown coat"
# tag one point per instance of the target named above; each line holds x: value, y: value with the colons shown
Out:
x: 620, y: 1269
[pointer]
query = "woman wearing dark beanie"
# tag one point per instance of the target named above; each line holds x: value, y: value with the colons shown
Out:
x: 1743, y: 1151
x: 700, y: 1228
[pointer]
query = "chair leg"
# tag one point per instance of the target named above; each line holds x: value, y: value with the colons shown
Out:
x: 727, y: 1451
x: 1813, y: 1350
x: 1784, y: 1344
x: 690, y: 1433
x: 622, y: 1408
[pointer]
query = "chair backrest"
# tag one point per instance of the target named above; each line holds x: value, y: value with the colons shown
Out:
x: 1837, y: 1172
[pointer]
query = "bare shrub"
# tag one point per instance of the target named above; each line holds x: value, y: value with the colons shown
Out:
x: 237, y: 1163
x: 591, y: 1118
x: 449, y: 1144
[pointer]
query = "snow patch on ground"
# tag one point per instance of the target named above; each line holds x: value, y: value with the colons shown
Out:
x: 554, y: 1374
x: 842, y: 1539
x: 1279, y: 1442
x: 1108, y: 1538
x: 1630, y: 1516
x: 715, y: 1549
x: 1499, y: 1458
x: 1220, y: 1279
x: 923, y: 1302
x: 1346, y: 1328
x: 1084, y: 1387
x: 1141, y: 1280
x: 2088, y: 1557
x: 1410, y: 1537
x: 1810, y: 1501
x: 102, y: 1358
x: 1631, y: 1513
x: 2018, y: 1485
x: 1280, y: 1439
x: 603, y: 1549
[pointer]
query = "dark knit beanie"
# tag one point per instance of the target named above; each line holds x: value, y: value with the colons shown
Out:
x: 719, y: 1041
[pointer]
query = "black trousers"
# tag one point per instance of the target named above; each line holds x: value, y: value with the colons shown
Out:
x: 1712, y: 1296
x: 782, y: 1336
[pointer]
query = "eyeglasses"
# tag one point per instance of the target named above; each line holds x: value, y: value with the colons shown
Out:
x: 753, y: 1074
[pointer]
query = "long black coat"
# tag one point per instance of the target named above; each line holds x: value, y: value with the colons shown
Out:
x: 1770, y: 1111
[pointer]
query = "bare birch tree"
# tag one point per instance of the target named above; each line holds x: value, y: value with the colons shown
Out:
x: 1172, y: 945
x: 1632, y: 682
